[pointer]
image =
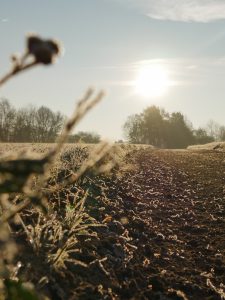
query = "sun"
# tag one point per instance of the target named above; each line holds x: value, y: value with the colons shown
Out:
x: 152, y: 81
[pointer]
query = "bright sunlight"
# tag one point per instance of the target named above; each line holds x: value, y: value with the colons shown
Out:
x: 152, y: 81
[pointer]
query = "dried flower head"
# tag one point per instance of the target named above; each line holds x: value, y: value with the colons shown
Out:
x: 44, y: 51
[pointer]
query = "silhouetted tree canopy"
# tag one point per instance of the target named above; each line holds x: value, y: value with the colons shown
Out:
x: 201, y: 136
x: 157, y: 127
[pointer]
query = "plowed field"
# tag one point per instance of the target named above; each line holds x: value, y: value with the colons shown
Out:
x: 163, y: 235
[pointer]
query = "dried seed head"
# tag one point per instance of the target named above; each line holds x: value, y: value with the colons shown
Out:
x: 54, y: 46
x: 44, y: 51
x: 33, y: 44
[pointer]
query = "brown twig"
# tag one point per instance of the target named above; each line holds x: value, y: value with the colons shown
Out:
x: 83, y: 106
x: 13, y: 210
x: 15, y: 71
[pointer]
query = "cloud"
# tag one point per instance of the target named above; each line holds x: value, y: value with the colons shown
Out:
x: 181, y: 10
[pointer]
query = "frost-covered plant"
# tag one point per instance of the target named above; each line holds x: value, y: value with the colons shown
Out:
x: 23, y: 182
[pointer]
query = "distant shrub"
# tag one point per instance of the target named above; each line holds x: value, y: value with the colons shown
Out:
x: 85, y: 137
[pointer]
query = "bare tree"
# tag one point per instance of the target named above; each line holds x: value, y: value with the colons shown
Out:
x: 24, y: 130
x: 48, y: 124
x: 7, y: 119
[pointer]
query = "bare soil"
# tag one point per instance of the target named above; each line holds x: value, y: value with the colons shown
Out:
x: 164, y: 233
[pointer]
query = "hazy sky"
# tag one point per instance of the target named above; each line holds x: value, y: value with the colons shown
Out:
x: 105, y: 43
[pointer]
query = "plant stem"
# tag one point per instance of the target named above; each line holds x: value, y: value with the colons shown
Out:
x: 15, y: 71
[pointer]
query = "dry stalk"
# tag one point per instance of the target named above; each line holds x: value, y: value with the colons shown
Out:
x: 13, y: 210
x: 15, y: 70
x: 39, y: 50
x: 83, y: 106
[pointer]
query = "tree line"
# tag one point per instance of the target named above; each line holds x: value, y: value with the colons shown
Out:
x: 35, y: 125
x: 153, y: 126
x: 157, y: 127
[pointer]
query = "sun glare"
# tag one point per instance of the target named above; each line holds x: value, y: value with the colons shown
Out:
x: 152, y: 81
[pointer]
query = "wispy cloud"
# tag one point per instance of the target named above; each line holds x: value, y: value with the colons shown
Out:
x: 181, y: 10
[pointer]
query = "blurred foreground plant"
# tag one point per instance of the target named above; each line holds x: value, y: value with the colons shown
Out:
x: 38, y: 51
x: 54, y: 238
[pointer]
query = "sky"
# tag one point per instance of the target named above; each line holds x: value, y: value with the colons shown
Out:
x: 105, y: 44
